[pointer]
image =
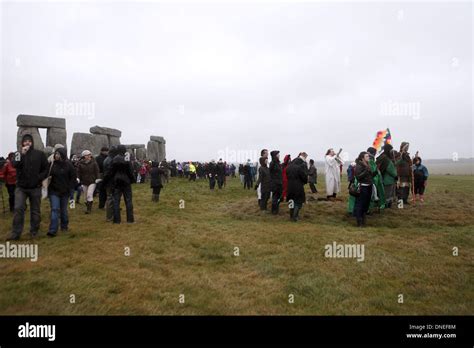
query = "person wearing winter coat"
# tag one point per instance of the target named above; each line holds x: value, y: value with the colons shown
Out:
x: 364, y: 176
x: 155, y: 181
x: 63, y: 180
x: 9, y: 176
x: 263, y: 182
x: 378, y: 191
x: 248, y: 175
x: 420, y: 177
x: 404, y: 172
x: 297, y: 173
x: 220, y: 173
x: 31, y: 169
x: 100, y: 189
x: 286, y: 162
x: 120, y: 178
x: 212, y: 174
x: 276, y: 181
x: 312, y: 176
x: 109, y: 202
x: 88, y: 174
x: 386, y: 165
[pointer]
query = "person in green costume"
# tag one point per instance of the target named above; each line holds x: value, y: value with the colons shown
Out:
x: 385, y: 163
x: 378, y: 196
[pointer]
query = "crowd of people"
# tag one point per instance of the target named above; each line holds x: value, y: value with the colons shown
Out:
x: 374, y: 182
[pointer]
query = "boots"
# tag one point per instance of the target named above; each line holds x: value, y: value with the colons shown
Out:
x: 296, y: 212
x: 88, y: 207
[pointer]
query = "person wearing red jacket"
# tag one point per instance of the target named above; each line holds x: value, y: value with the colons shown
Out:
x: 9, y: 176
x: 286, y: 162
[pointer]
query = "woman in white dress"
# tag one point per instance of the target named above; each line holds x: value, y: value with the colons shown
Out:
x: 333, y: 174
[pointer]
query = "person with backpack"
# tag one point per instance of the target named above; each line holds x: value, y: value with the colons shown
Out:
x: 120, y: 177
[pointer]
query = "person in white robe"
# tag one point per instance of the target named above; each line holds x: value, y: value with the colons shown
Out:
x: 333, y: 174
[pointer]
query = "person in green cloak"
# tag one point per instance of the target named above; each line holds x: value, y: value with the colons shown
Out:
x: 378, y: 195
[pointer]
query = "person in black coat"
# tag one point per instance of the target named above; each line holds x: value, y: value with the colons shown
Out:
x: 100, y: 188
x: 212, y: 174
x: 31, y: 169
x: 248, y: 182
x: 220, y: 173
x: 63, y: 180
x: 276, y: 181
x: 297, y: 174
x: 364, y: 176
x: 120, y: 178
x: 264, y: 180
x: 155, y: 181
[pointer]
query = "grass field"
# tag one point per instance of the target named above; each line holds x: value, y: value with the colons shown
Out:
x: 190, y: 251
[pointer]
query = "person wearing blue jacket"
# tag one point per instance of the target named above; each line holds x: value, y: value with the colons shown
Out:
x: 420, y: 178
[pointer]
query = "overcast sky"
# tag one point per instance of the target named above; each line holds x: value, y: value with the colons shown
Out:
x: 210, y: 77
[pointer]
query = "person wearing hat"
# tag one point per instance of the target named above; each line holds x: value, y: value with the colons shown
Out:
x: 386, y: 165
x: 31, y: 168
x: 88, y: 174
x: 248, y: 182
x: 276, y: 181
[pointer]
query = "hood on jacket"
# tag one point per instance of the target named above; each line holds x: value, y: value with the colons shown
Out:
x: 404, y: 146
x: 274, y: 154
x: 121, y: 150
x: 417, y: 158
x: 372, y: 151
x: 62, y: 152
x: 287, y: 159
x: 387, y: 149
x: 28, y: 136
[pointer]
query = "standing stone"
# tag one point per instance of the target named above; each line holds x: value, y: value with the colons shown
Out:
x: 153, y: 151
x: 81, y: 142
x: 99, y: 141
x: 33, y: 131
x: 141, y: 153
x: 56, y: 136
x: 113, y: 141
x: 161, y: 151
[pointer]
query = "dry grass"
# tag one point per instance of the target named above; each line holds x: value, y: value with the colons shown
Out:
x: 190, y: 251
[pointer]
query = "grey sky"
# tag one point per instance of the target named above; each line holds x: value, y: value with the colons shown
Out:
x: 210, y: 77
